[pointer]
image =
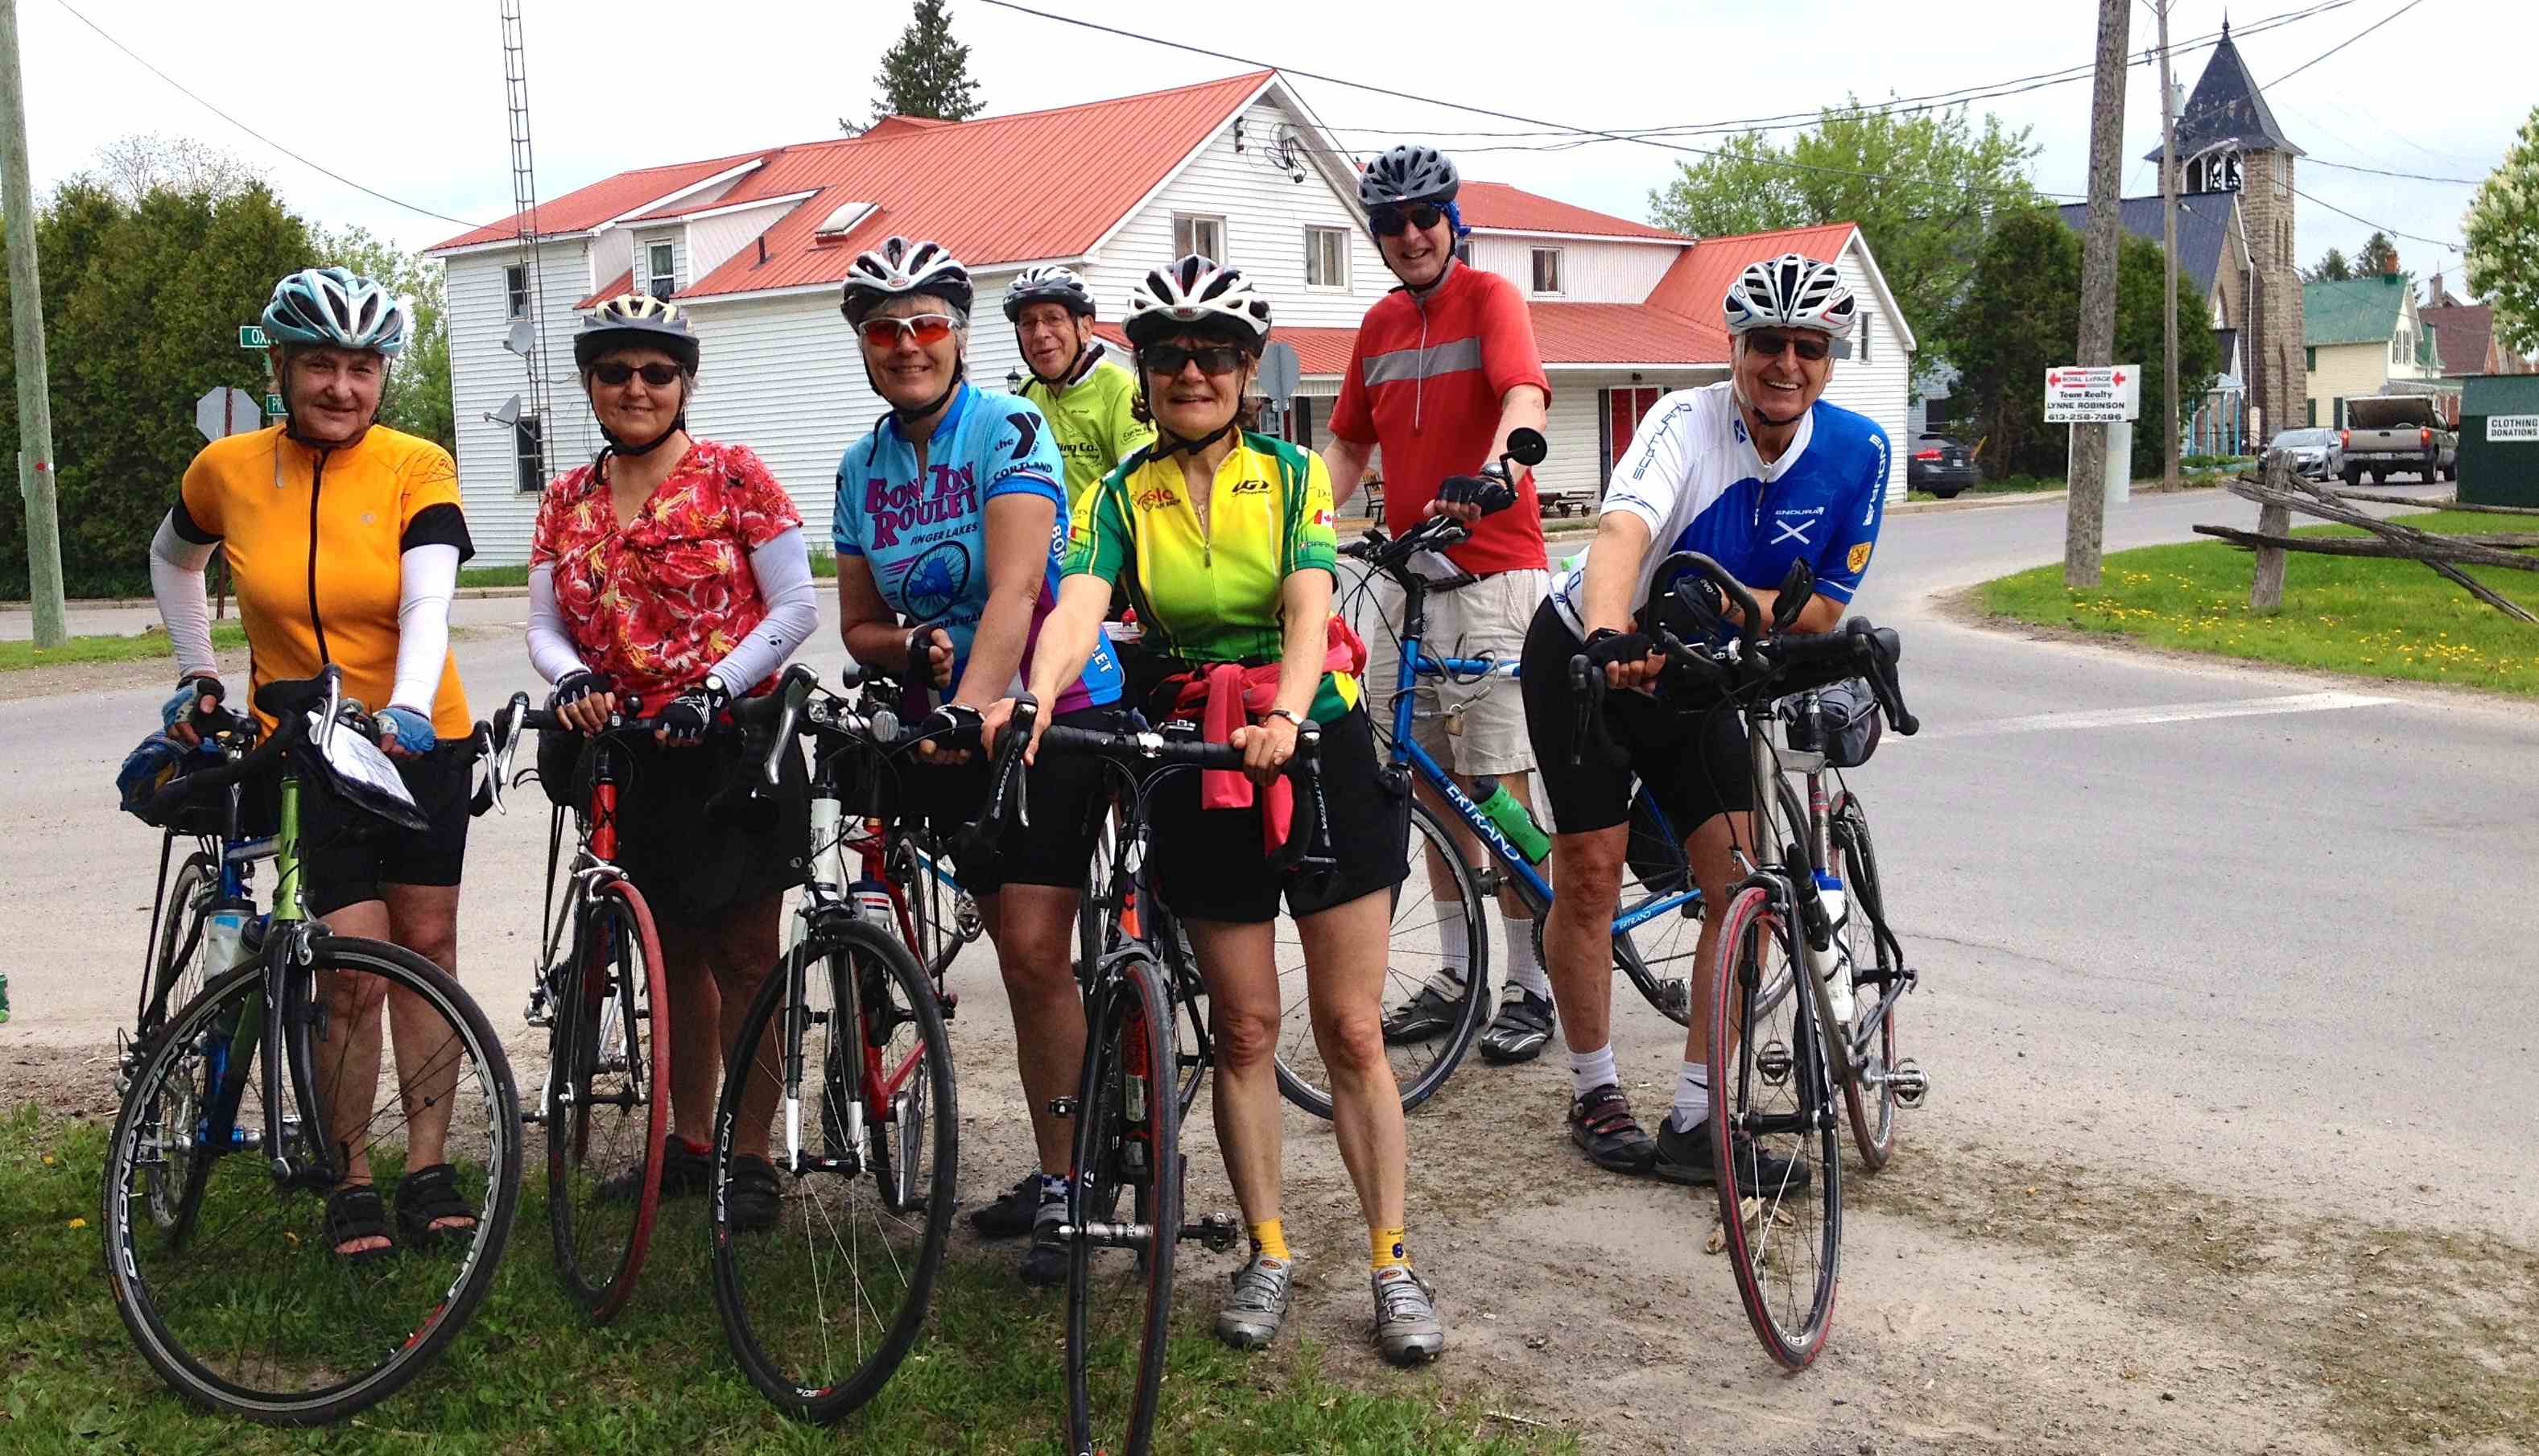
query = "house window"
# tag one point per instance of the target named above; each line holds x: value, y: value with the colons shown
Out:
x: 660, y: 259
x: 1198, y: 235
x: 2309, y: 411
x: 1547, y: 270
x: 516, y: 282
x: 529, y: 453
x: 1326, y: 257
x: 2309, y: 359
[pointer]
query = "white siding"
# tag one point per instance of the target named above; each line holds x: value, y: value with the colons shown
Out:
x: 713, y: 240
x: 612, y: 253
x: 483, y: 375
x: 783, y: 377
x: 1266, y: 215
x: 1590, y: 273
x: 1881, y: 388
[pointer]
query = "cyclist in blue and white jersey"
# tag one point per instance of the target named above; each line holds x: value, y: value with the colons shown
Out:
x: 1756, y: 471
x: 951, y: 520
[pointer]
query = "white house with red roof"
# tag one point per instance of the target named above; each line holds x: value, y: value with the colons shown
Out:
x: 755, y: 246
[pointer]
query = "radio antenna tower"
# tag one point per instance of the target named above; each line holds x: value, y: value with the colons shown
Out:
x: 528, y: 334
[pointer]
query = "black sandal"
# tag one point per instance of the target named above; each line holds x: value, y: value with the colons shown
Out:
x: 426, y: 1196
x: 355, y: 1211
x: 752, y: 1197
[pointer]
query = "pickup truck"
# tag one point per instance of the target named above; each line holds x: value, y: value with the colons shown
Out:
x: 2389, y: 435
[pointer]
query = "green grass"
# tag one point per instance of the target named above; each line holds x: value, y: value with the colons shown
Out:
x: 2386, y: 619
x: 16, y: 656
x: 529, y: 1375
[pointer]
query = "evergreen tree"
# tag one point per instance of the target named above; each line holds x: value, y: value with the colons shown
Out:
x: 927, y: 73
x: 2380, y: 255
x: 2333, y: 268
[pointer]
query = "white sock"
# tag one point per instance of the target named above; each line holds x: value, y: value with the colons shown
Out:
x: 1593, y: 1069
x: 1692, y: 1097
x: 1455, y: 937
x: 1524, y: 971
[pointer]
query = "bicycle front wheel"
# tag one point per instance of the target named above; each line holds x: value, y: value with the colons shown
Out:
x: 608, y: 1101
x: 1125, y: 1193
x: 1869, y: 1098
x: 1778, y: 1167
x: 1422, y: 1055
x: 241, y: 1302
x: 844, y: 1085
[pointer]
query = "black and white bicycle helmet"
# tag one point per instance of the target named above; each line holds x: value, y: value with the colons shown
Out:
x: 1792, y: 291
x: 1405, y: 174
x: 337, y: 307
x: 1197, y: 293
x: 899, y: 268
x: 1050, y: 283
x: 633, y: 318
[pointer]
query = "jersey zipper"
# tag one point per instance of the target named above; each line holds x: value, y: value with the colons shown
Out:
x: 316, y: 484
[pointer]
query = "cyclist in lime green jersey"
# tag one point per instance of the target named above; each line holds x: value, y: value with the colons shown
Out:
x: 1088, y: 399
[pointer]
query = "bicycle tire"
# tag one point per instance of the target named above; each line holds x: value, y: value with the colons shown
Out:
x: 176, y: 971
x: 934, y: 907
x: 1128, y: 1142
x: 1768, y: 1077
x: 599, y: 1254
x: 213, y: 1367
x: 855, y: 974
x: 1872, y: 1113
x: 1419, y: 1067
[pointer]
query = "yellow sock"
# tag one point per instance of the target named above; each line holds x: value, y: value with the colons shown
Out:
x: 1391, y: 1252
x: 1270, y: 1239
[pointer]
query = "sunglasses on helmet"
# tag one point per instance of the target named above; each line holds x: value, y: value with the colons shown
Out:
x: 1388, y: 220
x: 614, y: 374
x: 1166, y: 360
x: 925, y: 329
x: 1810, y: 346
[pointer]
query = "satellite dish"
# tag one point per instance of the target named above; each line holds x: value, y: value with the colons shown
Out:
x: 521, y: 339
x: 508, y: 416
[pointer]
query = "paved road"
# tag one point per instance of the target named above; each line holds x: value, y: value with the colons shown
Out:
x: 2256, y: 931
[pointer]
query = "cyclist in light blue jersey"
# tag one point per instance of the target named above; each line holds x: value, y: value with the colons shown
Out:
x: 950, y: 523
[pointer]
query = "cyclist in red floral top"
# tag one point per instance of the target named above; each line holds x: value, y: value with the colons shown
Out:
x: 670, y: 576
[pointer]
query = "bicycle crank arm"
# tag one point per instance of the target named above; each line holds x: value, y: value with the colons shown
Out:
x: 1109, y: 1235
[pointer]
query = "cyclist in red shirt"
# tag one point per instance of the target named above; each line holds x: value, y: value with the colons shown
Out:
x: 1444, y: 368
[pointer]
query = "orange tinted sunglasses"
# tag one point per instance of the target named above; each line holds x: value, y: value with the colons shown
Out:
x: 927, y: 330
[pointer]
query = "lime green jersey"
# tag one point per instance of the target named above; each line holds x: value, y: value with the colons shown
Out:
x: 1093, y: 422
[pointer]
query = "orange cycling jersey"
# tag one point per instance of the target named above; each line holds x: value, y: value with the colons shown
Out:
x: 315, y: 539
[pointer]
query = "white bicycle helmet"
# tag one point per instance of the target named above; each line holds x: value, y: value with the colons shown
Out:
x: 1050, y: 283
x: 1791, y: 291
x: 1197, y: 293
x: 632, y: 318
x: 1407, y: 173
x: 336, y: 307
x: 899, y: 268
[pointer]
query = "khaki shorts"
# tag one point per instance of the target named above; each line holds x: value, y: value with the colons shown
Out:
x: 1486, y: 619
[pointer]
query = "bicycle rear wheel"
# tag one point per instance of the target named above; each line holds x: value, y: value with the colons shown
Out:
x: 1125, y: 1194
x: 1869, y: 1098
x: 822, y: 1305
x: 176, y: 960
x: 241, y: 1305
x: 608, y: 1102
x: 940, y: 914
x: 1658, y: 954
x: 1414, y: 957
x: 1768, y: 1077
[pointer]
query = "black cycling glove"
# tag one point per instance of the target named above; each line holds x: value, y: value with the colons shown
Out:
x: 951, y: 725
x: 577, y: 685
x: 1485, y: 490
x: 1606, y: 646
x: 689, y: 713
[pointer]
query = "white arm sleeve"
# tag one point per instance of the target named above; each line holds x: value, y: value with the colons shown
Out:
x: 783, y: 568
x: 427, y: 578
x: 176, y: 582
x: 551, y: 648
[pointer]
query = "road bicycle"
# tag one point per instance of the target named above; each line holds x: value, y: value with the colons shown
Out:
x: 844, y: 1054
x: 1146, y: 1051
x: 246, y: 1108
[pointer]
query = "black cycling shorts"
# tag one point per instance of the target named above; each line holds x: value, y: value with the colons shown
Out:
x: 1067, y: 795
x: 347, y: 855
x: 689, y: 834
x: 1209, y: 864
x: 1694, y: 763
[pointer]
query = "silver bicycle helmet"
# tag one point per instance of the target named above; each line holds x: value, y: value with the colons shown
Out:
x: 336, y: 307
x: 1792, y: 291
x: 899, y: 268
x: 1197, y: 293
x: 1050, y: 283
x: 632, y: 318
x: 1407, y: 173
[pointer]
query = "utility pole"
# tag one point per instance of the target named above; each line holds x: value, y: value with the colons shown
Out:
x: 26, y: 320
x: 2167, y: 256
x: 2084, y: 523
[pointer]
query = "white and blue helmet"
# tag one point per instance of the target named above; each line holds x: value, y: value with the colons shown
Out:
x: 335, y: 307
x: 1792, y: 291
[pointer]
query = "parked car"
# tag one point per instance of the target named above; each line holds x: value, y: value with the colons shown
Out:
x: 2319, y: 455
x: 1941, y: 465
x: 2389, y: 435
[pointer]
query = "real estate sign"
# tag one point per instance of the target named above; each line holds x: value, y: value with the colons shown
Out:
x: 2093, y: 394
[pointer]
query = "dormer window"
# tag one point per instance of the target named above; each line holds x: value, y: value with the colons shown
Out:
x: 840, y: 221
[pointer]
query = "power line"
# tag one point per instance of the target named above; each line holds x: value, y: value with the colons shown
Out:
x: 2413, y: 176
x: 2341, y: 44
x: 2366, y: 222
x: 252, y: 132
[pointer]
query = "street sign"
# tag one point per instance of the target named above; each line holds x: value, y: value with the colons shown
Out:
x: 2077, y: 394
x: 223, y: 412
x: 2513, y: 427
x: 1279, y: 368
x: 251, y: 336
x: 273, y: 404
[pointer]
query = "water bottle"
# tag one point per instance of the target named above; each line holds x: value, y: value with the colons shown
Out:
x: 1838, y: 969
x: 1501, y: 809
x: 225, y: 937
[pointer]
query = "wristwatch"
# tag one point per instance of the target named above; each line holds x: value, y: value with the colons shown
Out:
x: 1293, y: 720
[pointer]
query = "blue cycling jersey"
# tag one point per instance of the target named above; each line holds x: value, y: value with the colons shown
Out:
x: 1692, y: 472
x: 926, y: 540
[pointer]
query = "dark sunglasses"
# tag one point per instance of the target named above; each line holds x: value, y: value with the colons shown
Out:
x: 1388, y: 220
x: 1166, y: 360
x: 1771, y: 345
x: 614, y: 374
x: 927, y: 330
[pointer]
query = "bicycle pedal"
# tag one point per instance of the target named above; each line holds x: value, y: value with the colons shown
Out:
x: 950, y: 1001
x: 1911, y: 1083
x: 1216, y: 1230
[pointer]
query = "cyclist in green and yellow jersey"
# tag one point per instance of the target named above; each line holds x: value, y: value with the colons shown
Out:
x: 1088, y: 399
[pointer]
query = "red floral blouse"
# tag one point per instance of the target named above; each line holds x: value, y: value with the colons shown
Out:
x: 656, y: 605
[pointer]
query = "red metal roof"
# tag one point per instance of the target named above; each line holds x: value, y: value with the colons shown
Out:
x: 1498, y: 205
x: 621, y: 283
x: 1700, y: 279
x: 587, y: 207
x: 1624, y: 333
x: 1319, y: 351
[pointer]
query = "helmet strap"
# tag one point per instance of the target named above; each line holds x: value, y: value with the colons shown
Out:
x: 1082, y: 361
x: 1166, y: 441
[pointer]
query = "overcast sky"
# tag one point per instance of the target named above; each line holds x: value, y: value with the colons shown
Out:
x: 409, y: 99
